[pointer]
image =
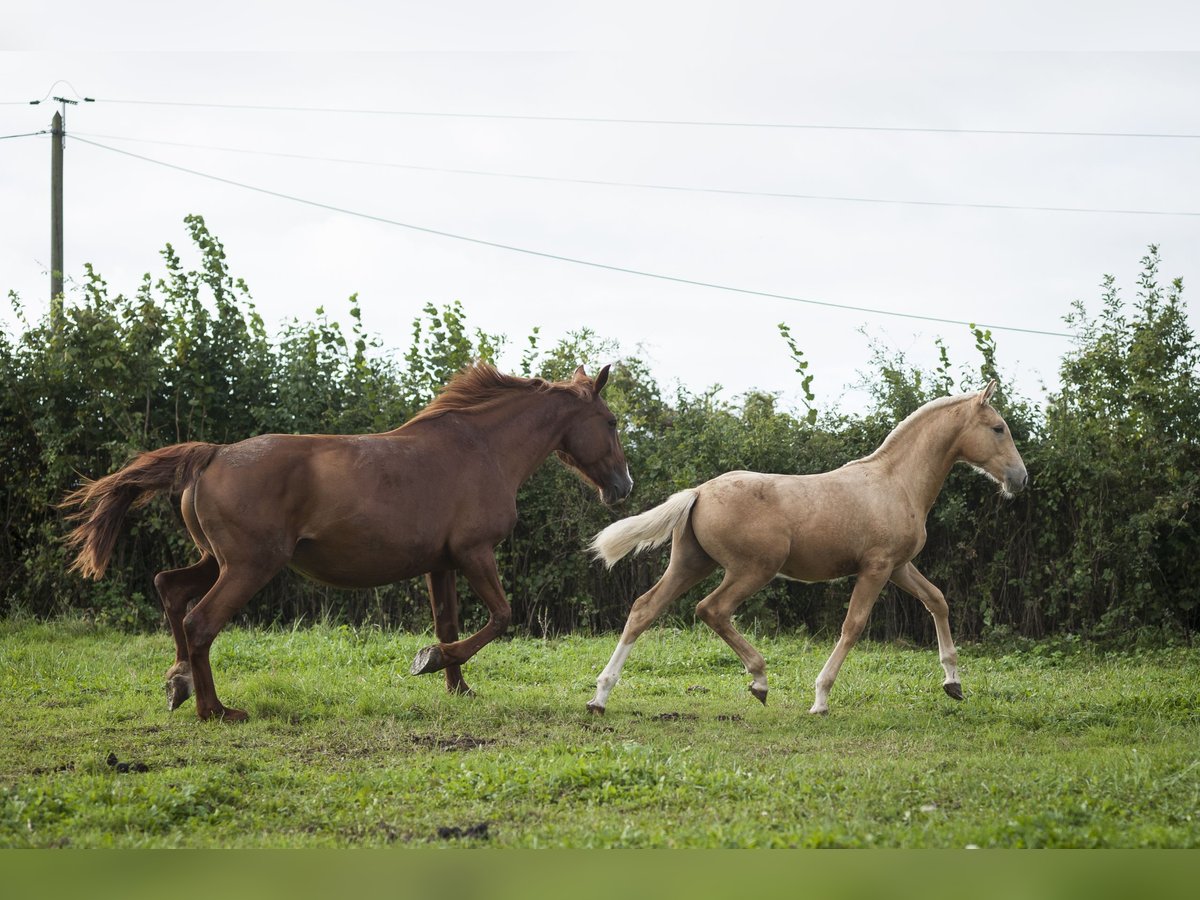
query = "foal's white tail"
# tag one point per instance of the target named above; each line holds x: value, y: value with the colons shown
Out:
x: 644, y: 531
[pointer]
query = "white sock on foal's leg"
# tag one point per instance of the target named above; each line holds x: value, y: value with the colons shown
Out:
x: 609, y: 677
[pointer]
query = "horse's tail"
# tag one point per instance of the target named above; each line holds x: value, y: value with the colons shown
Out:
x: 644, y: 531
x: 102, y: 504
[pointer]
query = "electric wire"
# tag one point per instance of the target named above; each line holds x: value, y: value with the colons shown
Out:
x: 568, y: 259
x: 643, y: 185
x: 626, y: 121
x: 7, y: 137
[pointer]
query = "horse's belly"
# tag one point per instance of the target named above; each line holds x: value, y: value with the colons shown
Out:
x: 366, y: 563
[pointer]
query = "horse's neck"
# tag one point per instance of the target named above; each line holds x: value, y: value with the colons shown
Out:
x: 522, y: 433
x: 924, y: 457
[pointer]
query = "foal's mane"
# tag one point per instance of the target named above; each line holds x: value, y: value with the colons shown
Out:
x: 481, y: 385
x: 903, y: 431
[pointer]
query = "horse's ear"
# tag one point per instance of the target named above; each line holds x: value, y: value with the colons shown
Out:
x: 601, y: 381
x: 985, y: 396
x: 579, y: 375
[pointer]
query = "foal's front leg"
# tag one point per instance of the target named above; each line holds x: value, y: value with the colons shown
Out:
x: 866, y: 591
x: 908, y: 579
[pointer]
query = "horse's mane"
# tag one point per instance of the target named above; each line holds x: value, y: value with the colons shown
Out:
x: 900, y: 432
x: 481, y: 385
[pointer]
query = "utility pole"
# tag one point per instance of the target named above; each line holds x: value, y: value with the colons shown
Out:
x: 57, y: 138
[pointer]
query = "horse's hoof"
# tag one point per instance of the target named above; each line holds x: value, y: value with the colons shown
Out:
x: 224, y: 713
x: 461, y: 690
x: 596, y: 709
x: 819, y: 711
x: 179, y: 688
x: 429, y: 660
x: 759, y: 693
x: 953, y: 689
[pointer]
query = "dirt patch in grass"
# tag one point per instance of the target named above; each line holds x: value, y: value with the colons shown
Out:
x: 478, y: 831
x: 675, y: 717
x: 450, y: 744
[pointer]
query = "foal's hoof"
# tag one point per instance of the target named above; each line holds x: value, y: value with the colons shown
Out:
x: 954, y: 689
x: 429, y: 660
x: 596, y: 709
x: 179, y: 688
x: 760, y: 694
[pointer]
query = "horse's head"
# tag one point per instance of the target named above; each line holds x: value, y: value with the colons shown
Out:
x: 987, y: 444
x: 591, y: 445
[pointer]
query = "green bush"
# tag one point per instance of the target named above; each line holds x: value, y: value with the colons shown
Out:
x: 1104, y: 543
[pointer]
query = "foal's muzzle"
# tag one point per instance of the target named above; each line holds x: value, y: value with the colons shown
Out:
x: 1016, y: 480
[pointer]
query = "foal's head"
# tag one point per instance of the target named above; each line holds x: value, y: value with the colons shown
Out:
x: 591, y: 445
x: 987, y: 444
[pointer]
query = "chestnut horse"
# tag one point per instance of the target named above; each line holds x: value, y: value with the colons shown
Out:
x: 432, y: 497
x: 865, y: 519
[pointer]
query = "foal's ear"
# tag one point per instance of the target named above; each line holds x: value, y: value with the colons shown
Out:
x: 985, y: 396
x: 579, y: 375
x: 601, y: 381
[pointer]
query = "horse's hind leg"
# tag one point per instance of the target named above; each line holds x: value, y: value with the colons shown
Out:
x: 443, y: 597
x: 717, y: 612
x: 177, y: 588
x: 689, y: 564
x: 236, y: 584
x: 907, y: 578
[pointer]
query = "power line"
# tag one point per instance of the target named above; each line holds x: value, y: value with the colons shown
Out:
x: 582, y: 262
x: 7, y: 137
x: 681, y: 122
x: 643, y: 185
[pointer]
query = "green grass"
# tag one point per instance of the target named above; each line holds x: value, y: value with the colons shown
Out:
x: 1057, y: 745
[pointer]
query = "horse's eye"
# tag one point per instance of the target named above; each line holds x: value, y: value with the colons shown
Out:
x: 999, y: 429
x: 612, y: 423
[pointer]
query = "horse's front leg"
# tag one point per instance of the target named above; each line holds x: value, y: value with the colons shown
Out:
x: 480, y: 570
x: 443, y: 598
x: 907, y: 578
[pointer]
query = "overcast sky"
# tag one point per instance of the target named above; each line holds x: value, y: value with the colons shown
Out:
x: 1037, y: 67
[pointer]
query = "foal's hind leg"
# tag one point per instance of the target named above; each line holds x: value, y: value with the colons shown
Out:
x: 443, y: 597
x: 717, y: 612
x: 689, y: 564
x: 176, y: 588
x: 907, y: 578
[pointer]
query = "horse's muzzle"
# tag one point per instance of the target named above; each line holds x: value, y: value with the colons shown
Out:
x: 618, y: 488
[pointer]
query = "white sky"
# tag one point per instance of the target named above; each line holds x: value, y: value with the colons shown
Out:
x: 1018, y: 65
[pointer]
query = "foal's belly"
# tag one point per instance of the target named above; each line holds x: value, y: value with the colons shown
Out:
x: 812, y: 566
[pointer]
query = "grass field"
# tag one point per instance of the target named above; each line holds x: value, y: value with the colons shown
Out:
x: 1057, y: 745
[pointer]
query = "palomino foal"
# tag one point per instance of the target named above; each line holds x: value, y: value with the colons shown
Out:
x: 865, y: 519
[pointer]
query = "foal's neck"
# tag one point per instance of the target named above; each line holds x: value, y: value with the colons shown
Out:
x: 924, y: 459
